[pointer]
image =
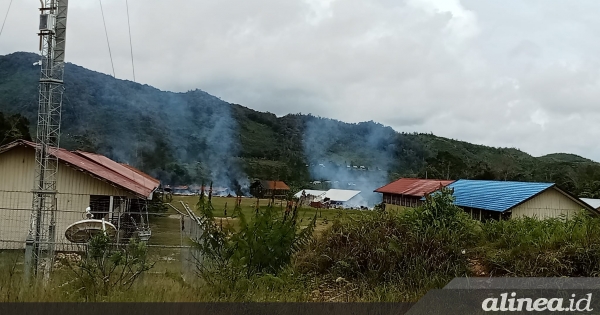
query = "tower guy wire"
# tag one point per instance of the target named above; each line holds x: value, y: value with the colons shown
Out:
x: 107, y: 41
x: 130, y: 42
x: 5, y: 17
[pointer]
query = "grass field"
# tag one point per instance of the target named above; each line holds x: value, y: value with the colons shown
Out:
x: 224, y: 208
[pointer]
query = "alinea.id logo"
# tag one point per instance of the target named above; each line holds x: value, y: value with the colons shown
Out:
x: 514, y: 304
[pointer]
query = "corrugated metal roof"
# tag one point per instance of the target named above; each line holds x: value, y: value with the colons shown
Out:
x: 141, y: 173
x: 594, y: 203
x: 341, y: 195
x: 413, y: 186
x: 311, y: 192
x: 494, y: 195
x: 129, y: 172
x: 102, y: 167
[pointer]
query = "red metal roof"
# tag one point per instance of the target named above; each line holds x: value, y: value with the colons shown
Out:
x: 413, y: 186
x: 130, y: 172
x: 102, y: 167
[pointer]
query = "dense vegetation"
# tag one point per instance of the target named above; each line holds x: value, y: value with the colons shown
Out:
x: 550, y: 248
x: 415, y: 250
x: 262, y: 245
x: 190, y: 137
x: 376, y: 256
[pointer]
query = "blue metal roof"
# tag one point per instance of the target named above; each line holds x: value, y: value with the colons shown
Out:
x: 494, y: 195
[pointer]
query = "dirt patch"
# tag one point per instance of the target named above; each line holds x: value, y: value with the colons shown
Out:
x: 477, y: 268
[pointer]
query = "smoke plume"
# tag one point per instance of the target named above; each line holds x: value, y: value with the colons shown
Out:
x: 332, y: 149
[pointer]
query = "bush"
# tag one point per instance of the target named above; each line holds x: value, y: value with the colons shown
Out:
x: 108, y: 267
x: 554, y: 247
x: 262, y: 246
x: 416, y: 249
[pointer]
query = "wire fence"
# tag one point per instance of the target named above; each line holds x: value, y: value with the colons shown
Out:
x: 171, y: 236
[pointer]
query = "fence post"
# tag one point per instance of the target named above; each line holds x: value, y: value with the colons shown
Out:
x: 28, y: 259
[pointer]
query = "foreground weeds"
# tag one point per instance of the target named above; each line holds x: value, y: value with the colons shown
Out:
x: 542, y: 248
x: 401, y: 254
x: 375, y: 257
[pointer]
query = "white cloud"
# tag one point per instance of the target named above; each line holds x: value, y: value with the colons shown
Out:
x: 521, y: 74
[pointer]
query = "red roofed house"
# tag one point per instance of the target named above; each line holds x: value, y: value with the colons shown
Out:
x: 269, y: 188
x: 113, y: 191
x: 408, y: 192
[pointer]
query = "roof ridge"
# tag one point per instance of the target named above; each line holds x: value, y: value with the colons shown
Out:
x: 81, y: 160
x: 78, y: 153
x: 484, y: 194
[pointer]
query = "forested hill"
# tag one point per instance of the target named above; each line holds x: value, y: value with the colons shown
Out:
x: 191, y: 137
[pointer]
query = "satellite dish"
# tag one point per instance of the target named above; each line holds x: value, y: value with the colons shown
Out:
x: 83, y: 231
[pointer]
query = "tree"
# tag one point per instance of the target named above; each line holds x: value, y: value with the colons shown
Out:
x: 12, y: 128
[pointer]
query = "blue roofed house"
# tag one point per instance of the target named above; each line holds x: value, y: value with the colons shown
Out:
x: 485, y: 199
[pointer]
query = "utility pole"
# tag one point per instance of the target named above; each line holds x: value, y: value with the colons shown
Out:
x: 40, y: 243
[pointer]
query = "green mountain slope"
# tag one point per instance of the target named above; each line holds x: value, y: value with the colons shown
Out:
x: 192, y: 137
x: 565, y: 157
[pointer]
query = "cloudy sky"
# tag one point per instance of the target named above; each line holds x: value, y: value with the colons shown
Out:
x: 522, y: 74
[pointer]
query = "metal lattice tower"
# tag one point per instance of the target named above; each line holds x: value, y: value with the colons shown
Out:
x: 39, y: 251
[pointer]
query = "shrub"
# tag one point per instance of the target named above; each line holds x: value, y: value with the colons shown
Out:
x: 554, y: 247
x: 230, y: 256
x: 108, y: 267
x: 417, y: 249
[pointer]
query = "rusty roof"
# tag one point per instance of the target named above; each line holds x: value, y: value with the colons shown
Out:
x: 141, y: 173
x: 101, y: 167
x: 275, y: 184
x: 413, y: 186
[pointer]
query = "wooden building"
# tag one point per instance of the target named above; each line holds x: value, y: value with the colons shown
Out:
x: 485, y: 199
x: 84, y: 180
x: 409, y: 192
x: 269, y: 189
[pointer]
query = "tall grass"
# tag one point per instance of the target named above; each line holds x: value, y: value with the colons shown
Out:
x: 63, y: 286
x: 411, y: 252
x: 230, y: 260
x: 380, y: 256
x: 554, y: 247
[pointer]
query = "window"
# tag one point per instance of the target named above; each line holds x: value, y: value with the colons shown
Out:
x: 99, y: 206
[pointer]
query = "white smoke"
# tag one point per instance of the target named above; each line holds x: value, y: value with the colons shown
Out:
x: 332, y: 149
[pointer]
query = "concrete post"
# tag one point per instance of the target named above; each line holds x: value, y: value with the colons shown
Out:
x: 29, y: 264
